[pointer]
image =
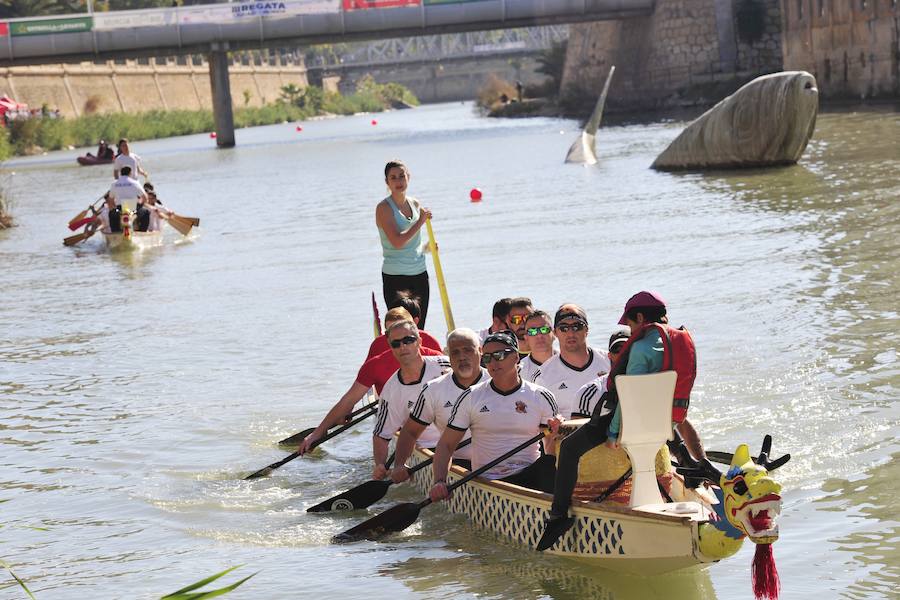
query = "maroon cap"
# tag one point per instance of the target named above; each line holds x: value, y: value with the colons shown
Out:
x: 642, y: 299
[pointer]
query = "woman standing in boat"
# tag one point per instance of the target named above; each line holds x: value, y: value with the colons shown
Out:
x: 400, y: 219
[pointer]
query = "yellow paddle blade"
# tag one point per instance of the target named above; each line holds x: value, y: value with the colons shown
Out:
x: 78, y: 237
x: 192, y: 220
x: 181, y: 226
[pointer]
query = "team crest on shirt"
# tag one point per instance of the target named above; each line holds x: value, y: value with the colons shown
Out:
x: 521, y: 407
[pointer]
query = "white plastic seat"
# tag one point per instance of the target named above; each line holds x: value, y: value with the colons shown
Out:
x: 646, y: 405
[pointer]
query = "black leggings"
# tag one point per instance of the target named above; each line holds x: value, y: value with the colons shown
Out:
x: 573, y: 447
x: 538, y: 475
x: 417, y: 285
x: 142, y: 222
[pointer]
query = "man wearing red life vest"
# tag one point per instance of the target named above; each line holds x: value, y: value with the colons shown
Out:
x: 653, y: 347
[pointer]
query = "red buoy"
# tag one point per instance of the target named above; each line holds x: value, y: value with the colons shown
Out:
x: 475, y: 195
x: 212, y: 135
x: 299, y: 128
x: 374, y: 122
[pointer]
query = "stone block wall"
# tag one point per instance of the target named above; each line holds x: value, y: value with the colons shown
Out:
x: 135, y: 87
x: 687, y: 52
x: 851, y: 46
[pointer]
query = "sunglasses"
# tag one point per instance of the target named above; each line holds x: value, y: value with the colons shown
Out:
x: 573, y: 327
x: 499, y: 356
x: 518, y: 319
x: 543, y: 329
x: 404, y: 341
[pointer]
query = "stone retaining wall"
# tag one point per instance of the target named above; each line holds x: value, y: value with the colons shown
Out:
x: 134, y: 87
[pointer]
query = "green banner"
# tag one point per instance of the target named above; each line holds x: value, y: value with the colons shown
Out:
x: 49, y: 26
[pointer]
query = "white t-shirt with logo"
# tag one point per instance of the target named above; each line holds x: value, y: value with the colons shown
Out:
x: 398, y: 398
x: 565, y: 381
x: 128, y: 160
x: 437, y: 400
x: 126, y: 189
x: 501, y: 421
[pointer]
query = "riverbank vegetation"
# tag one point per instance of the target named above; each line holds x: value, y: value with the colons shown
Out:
x: 28, y: 136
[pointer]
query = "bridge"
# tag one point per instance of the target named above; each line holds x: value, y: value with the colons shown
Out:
x: 216, y: 29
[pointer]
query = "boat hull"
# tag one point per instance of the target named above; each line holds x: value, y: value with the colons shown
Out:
x: 137, y: 240
x: 613, y: 537
x: 90, y: 160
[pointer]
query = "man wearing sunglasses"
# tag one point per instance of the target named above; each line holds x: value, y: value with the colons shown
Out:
x: 402, y: 390
x: 519, y: 310
x: 438, y: 397
x: 375, y: 372
x: 539, y: 333
x: 501, y: 414
x: 576, y: 364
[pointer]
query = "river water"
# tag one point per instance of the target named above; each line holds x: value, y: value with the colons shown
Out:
x: 135, y: 391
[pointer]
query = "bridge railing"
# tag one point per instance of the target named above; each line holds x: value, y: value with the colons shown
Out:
x: 260, y: 23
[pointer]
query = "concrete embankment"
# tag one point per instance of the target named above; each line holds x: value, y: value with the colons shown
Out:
x: 154, y: 84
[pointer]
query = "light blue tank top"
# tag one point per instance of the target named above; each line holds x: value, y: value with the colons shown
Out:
x: 408, y: 260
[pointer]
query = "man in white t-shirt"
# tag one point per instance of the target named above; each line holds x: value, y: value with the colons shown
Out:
x: 501, y: 414
x: 402, y: 390
x: 539, y: 333
x: 575, y: 365
x: 438, y: 398
x: 126, y: 189
x: 127, y: 159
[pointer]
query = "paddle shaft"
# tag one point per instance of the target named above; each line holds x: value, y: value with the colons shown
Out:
x: 376, y: 318
x: 485, y: 468
x: 439, y: 273
x: 81, y: 215
x: 300, y: 436
x: 266, y: 470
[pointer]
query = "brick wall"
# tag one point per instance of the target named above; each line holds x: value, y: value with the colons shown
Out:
x: 688, y: 52
x: 851, y: 46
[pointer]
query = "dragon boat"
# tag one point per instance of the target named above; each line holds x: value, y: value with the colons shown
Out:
x: 634, y: 530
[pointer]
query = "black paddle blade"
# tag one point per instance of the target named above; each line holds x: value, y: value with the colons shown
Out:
x: 266, y: 470
x: 295, y: 439
x: 362, y: 496
x: 394, y: 519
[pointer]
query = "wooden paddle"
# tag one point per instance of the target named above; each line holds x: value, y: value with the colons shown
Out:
x: 439, y: 273
x: 401, y: 516
x: 183, y: 227
x: 266, y: 470
x: 376, y: 318
x: 80, y: 237
x: 297, y: 438
x: 79, y: 218
x: 368, y: 493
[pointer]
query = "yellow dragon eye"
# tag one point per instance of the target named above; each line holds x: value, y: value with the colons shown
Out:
x: 740, y: 488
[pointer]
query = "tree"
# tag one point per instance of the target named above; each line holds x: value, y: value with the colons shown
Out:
x: 14, y: 9
x: 551, y: 63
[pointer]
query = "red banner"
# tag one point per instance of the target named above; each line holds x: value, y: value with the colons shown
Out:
x: 366, y: 4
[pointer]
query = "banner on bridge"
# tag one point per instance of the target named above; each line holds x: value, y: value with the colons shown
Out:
x: 51, y: 26
x: 366, y: 4
x: 131, y: 19
x: 213, y: 13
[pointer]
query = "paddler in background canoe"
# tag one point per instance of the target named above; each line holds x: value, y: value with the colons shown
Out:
x: 501, y: 414
x: 576, y: 364
x: 126, y: 189
x: 438, y: 397
x: 400, y: 219
x: 654, y: 346
x: 374, y: 372
x: 402, y: 391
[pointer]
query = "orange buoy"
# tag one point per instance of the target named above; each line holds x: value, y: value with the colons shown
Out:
x: 475, y: 195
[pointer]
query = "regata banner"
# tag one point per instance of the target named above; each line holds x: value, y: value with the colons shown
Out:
x: 51, y: 26
x: 367, y: 4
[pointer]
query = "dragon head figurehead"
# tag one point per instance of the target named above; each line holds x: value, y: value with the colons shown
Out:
x: 750, y: 501
x: 752, y: 498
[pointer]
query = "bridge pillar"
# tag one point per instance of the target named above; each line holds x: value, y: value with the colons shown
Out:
x: 221, y: 98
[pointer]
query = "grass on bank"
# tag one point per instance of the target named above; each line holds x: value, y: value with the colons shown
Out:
x: 30, y: 135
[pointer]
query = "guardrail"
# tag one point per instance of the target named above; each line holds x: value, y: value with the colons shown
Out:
x: 262, y: 23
